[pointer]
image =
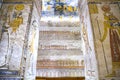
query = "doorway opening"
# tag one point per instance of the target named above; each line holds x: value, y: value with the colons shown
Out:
x: 60, y: 52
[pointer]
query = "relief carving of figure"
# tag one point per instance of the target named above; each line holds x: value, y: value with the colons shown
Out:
x: 10, y: 23
x: 112, y: 27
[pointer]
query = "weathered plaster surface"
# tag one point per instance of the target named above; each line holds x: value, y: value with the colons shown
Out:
x: 14, y: 19
x: 32, y: 46
x: 91, y: 70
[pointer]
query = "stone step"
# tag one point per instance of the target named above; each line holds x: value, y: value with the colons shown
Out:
x: 75, y: 57
x: 60, y: 72
x: 59, y: 35
x: 66, y: 22
x: 60, y: 44
x: 60, y: 63
x: 4, y: 72
x: 69, y: 52
x: 70, y: 29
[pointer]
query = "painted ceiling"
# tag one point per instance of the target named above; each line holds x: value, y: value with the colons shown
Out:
x: 60, y: 8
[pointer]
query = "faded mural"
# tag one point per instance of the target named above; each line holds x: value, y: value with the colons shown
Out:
x: 59, y: 12
x: 60, y: 8
x: 106, y: 29
x: 13, y: 24
x: 19, y: 35
x: 56, y: 13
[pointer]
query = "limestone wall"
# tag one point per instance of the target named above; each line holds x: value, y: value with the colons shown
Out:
x: 32, y: 46
x: 91, y: 70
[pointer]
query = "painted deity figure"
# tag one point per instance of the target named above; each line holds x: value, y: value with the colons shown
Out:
x: 112, y: 26
x: 9, y: 27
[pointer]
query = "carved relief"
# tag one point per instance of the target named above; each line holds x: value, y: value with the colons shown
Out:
x: 13, y: 34
x: 112, y: 26
x: 106, y: 31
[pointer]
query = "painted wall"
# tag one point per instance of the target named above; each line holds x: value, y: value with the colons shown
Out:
x: 91, y: 71
x: 105, y: 20
x: 13, y: 25
x: 19, y: 35
x: 56, y: 11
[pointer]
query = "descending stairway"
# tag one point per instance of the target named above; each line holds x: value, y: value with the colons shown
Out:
x: 6, y: 74
x: 60, y: 53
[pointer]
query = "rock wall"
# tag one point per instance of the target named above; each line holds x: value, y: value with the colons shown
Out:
x: 91, y: 70
x: 32, y: 46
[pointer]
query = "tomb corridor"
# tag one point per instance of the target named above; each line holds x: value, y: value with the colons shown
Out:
x: 59, y: 39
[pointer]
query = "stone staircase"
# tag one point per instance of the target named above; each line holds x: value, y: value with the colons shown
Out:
x: 60, y: 53
x: 6, y: 74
